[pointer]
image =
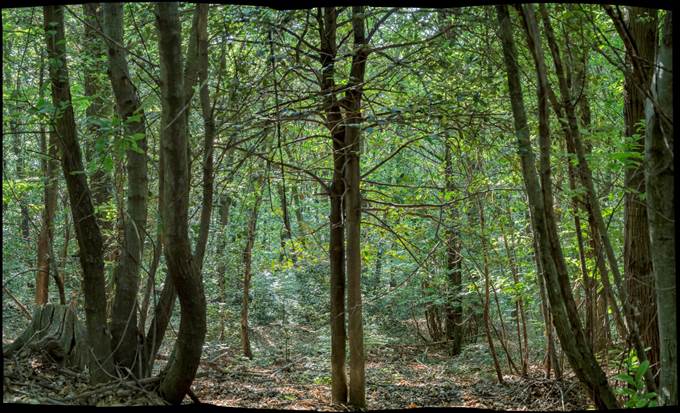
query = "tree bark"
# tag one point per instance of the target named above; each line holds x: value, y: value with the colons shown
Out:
x: 87, y: 231
x: 181, y: 268
x: 661, y: 210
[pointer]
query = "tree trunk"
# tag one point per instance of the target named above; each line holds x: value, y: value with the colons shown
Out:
x: 571, y: 337
x: 593, y: 202
x: 661, y: 210
x: 637, y: 261
x: 327, y: 32
x: 454, y: 265
x: 487, y: 299
x: 166, y: 302
x: 357, y: 379
x: 87, y: 231
x: 201, y: 30
x: 45, y: 258
x: 520, y: 318
x: 225, y: 206
x: 181, y: 268
x: 126, y: 274
x: 247, y: 267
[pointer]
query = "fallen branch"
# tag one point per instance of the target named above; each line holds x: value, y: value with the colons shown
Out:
x: 22, y: 307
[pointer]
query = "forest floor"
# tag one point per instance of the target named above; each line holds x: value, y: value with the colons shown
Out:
x: 397, y: 377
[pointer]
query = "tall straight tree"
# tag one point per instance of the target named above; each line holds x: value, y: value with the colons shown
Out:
x: 659, y: 180
x: 126, y: 274
x: 327, y: 19
x: 352, y: 107
x: 87, y: 230
x: 181, y: 269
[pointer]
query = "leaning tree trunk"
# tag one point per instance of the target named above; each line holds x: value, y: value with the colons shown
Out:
x: 174, y: 145
x: 126, y: 274
x: 571, y: 337
x: 84, y: 219
x: 661, y: 210
x: 592, y: 201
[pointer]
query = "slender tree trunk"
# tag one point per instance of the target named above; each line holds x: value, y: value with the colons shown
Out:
x: 201, y: 29
x: 586, y: 176
x: 181, y: 267
x: 357, y: 379
x: 247, y: 267
x: 45, y: 257
x: 454, y: 265
x: 126, y: 274
x: 520, y: 319
x: 166, y: 302
x: 327, y: 33
x: 487, y: 298
x: 87, y: 231
x: 659, y: 178
x: 225, y: 206
x: 571, y: 336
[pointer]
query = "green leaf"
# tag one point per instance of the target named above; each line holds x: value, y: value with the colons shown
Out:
x: 640, y: 373
x: 641, y: 403
x: 137, y: 136
x: 108, y: 163
x: 624, y: 377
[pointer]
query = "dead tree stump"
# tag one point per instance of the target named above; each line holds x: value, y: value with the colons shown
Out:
x: 56, y: 330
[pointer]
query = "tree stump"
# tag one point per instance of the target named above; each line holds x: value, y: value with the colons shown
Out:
x: 56, y: 330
